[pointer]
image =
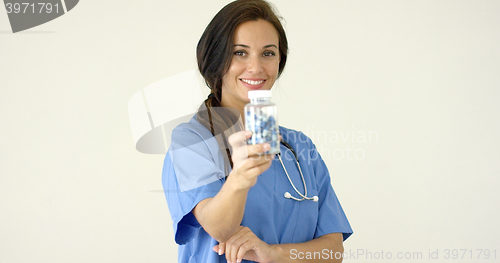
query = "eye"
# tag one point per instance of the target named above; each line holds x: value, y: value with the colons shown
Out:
x: 240, y: 53
x: 269, y: 54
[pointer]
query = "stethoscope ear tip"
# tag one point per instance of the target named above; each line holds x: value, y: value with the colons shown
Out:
x: 315, y: 198
x: 288, y: 195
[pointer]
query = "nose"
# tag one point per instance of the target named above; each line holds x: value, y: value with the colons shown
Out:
x: 254, y: 65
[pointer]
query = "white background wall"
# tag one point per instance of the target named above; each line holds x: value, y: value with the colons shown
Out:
x: 422, y: 76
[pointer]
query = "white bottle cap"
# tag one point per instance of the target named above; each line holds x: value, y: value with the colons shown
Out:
x: 259, y: 94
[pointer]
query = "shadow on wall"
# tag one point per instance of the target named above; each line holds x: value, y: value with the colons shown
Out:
x: 157, y: 109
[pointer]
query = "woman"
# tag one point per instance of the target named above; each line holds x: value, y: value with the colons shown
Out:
x: 226, y: 198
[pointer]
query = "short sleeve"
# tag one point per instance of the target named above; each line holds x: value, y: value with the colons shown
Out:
x: 331, y: 216
x: 191, y: 173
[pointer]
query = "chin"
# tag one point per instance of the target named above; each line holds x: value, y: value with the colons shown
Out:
x: 245, y: 97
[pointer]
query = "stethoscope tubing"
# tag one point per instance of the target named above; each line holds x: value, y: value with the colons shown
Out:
x: 287, y: 194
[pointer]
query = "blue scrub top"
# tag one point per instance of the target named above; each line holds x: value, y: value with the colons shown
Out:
x: 193, y: 171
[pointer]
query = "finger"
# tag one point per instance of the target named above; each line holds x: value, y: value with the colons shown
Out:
x: 230, y: 243
x: 244, y: 248
x: 242, y: 153
x: 261, y: 158
x: 236, y: 245
x: 253, y: 165
x: 239, y: 138
x: 258, y: 169
x: 255, y: 148
x: 256, y: 161
x: 216, y: 248
x: 221, y: 249
x: 248, y: 134
x: 231, y: 248
x: 258, y: 149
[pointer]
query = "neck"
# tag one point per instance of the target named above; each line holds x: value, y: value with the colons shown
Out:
x: 239, y: 108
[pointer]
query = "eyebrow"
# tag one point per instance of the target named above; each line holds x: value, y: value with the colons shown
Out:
x: 245, y: 46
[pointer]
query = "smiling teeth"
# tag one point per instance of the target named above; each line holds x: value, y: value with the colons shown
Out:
x: 251, y: 82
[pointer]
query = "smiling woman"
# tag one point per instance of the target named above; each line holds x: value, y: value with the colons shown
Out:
x: 228, y: 200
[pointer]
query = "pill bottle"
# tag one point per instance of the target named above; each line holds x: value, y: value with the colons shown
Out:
x: 261, y: 118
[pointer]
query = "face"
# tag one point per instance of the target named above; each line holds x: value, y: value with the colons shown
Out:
x: 254, y: 65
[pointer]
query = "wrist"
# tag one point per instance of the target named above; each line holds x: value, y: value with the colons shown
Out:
x: 236, y: 183
x: 279, y: 254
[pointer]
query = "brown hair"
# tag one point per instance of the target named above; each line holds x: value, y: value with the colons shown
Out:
x: 215, y: 53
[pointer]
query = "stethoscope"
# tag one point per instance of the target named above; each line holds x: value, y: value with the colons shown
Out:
x: 287, y: 194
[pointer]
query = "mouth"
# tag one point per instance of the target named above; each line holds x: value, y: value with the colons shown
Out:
x: 253, y: 83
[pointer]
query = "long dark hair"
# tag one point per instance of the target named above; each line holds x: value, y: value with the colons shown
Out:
x: 215, y: 52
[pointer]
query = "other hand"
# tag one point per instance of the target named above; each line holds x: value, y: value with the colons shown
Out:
x: 244, y: 244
